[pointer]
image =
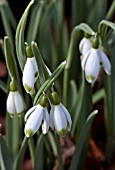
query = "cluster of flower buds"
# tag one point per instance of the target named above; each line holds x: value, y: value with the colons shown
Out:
x: 59, y: 118
x: 93, y: 58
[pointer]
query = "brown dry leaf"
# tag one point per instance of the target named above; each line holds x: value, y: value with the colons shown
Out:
x: 97, y: 153
x: 68, y: 149
x: 3, y: 69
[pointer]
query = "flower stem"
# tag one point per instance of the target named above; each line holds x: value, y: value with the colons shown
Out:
x: 32, y: 149
x: 60, y: 161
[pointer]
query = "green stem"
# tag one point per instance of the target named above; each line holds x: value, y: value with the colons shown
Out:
x: 32, y: 149
x: 60, y: 161
x: 111, y: 11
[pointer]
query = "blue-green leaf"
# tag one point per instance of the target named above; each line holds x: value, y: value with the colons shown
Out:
x: 5, y: 159
x: 76, y: 162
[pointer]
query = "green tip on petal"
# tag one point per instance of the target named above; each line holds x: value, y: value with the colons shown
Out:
x: 27, y: 88
x: 62, y: 132
x: 11, y: 115
x: 36, y: 74
x: 29, y: 133
x: 20, y: 114
x: 90, y: 78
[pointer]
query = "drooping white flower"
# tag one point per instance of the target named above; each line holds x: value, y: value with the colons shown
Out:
x: 60, y: 119
x: 15, y: 104
x: 85, y: 45
x: 30, y: 74
x: 91, y: 63
x: 34, y: 118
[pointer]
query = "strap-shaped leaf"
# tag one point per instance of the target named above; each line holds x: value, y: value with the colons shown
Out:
x: 5, y: 159
x: 3, y: 86
x: 103, y: 24
x: 20, y: 45
x: 39, y: 154
x: 20, y: 156
x: 81, y: 141
x: 10, y: 60
x: 48, y: 83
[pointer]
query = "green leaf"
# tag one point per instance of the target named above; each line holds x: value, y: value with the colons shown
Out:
x: 3, y: 86
x: 76, y: 162
x: 98, y: 95
x: 35, y: 19
x: 5, y: 159
x: 10, y: 60
x: 19, y: 159
x: 77, y: 108
x: 103, y: 24
x: 39, y: 153
x: 20, y: 44
x: 48, y: 83
x: 110, y: 148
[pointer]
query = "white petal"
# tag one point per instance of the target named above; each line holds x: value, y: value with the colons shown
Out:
x: 35, y: 67
x: 84, y: 59
x: 60, y: 121
x: 45, y: 125
x: 85, y: 45
x: 29, y: 112
x: 105, y: 61
x: 67, y: 116
x: 19, y: 104
x: 10, y: 104
x: 34, y: 121
x: 29, y: 74
x: 92, y: 66
x: 51, y: 117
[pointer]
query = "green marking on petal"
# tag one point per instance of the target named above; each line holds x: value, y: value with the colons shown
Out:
x: 90, y: 78
x: 36, y: 74
x: 27, y: 88
x: 11, y: 115
x: 20, y: 114
x: 29, y: 133
x: 62, y: 132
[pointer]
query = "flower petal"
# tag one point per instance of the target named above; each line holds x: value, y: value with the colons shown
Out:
x: 29, y: 75
x: 92, y: 66
x: 11, y: 109
x: 29, y: 112
x: 45, y: 125
x: 67, y: 116
x: 60, y: 121
x: 84, y: 59
x: 105, y: 61
x: 19, y: 103
x: 85, y: 45
x: 51, y: 117
x: 34, y: 121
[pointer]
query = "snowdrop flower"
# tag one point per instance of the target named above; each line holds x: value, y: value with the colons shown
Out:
x: 60, y: 119
x: 30, y: 73
x: 85, y: 44
x: 34, y: 118
x: 15, y: 103
x: 93, y: 60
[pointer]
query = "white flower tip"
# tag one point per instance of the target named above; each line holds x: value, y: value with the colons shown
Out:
x: 11, y: 115
x: 29, y: 133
